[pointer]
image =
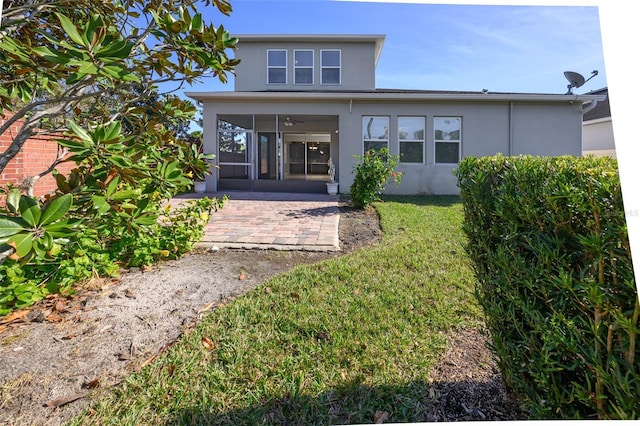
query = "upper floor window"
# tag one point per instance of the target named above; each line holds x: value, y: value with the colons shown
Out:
x: 447, y: 137
x: 303, y: 66
x: 411, y: 137
x: 375, y: 133
x: 276, y: 67
x: 330, y: 66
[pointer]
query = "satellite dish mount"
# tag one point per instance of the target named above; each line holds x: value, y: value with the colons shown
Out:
x: 576, y: 80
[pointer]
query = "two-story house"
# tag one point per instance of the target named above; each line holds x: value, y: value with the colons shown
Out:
x: 300, y: 100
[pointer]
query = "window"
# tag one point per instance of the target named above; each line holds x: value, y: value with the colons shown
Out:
x: 375, y: 133
x: 303, y: 66
x: 447, y: 139
x: 276, y: 67
x: 411, y: 137
x: 330, y: 64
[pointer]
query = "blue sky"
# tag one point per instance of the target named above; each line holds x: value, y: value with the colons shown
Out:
x: 444, y: 46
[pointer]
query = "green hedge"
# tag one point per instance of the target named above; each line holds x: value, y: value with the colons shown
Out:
x: 549, y: 243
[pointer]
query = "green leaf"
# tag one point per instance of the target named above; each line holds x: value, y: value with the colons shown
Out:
x: 147, y: 219
x: 13, y: 200
x: 32, y: 215
x: 113, y: 131
x: 9, y: 227
x: 80, y: 132
x: 60, y: 230
x: 70, y: 29
x: 125, y: 194
x: 56, y: 209
x: 23, y: 243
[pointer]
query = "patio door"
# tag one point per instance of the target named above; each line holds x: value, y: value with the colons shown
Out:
x: 267, y: 156
x: 306, y: 156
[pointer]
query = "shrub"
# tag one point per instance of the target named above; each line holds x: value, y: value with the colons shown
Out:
x: 373, y: 171
x: 549, y: 244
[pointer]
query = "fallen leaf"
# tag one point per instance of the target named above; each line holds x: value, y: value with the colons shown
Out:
x: 207, y: 307
x: 92, y: 384
x: 147, y: 362
x: 207, y: 343
x: 170, y: 369
x: 2, y: 328
x: 268, y: 290
x: 123, y: 357
x: 242, y: 276
x: 54, y: 318
x: 55, y: 403
x: 380, y: 417
x: 295, y: 295
x: 343, y: 374
x: 61, y: 306
x: 14, y: 316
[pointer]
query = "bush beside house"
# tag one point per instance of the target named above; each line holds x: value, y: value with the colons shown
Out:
x: 549, y: 244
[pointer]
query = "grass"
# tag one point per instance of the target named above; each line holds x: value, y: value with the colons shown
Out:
x: 328, y: 343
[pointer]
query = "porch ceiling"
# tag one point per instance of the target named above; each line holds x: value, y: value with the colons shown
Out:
x: 298, y: 121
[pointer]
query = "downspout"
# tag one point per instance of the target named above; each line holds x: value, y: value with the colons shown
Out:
x: 589, y: 107
x: 510, y: 128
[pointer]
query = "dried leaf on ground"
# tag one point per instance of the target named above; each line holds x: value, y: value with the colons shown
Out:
x: 207, y: 343
x: 14, y: 316
x: 380, y: 417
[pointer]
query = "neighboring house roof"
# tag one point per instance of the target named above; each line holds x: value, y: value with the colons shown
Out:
x: 602, y: 109
x: 378, y: 39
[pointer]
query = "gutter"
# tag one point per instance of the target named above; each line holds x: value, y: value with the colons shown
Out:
x: 369, y: 96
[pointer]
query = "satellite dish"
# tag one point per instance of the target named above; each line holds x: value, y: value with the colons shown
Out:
x: 576, y: 80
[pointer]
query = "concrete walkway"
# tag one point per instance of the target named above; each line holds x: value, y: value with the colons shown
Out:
x: 269, y: 220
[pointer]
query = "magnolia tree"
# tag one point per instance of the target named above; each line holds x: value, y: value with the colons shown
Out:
x: 95, y: 62
x: 88, y: 73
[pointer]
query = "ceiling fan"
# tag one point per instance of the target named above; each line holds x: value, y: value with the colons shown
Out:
x: 288, y: 122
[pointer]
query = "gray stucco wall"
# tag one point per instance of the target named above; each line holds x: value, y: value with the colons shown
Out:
x: 488, y: 128
x: 357, y: 66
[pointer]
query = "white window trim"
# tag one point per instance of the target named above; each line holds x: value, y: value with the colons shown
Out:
x: 286, y: 67
x: 312, y: 67
x: 422, y: 141
x: 435, y: 141
x: 339, y: 67
x: 376, y: 140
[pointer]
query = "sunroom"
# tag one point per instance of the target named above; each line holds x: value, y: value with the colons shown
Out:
x: 274, y: 152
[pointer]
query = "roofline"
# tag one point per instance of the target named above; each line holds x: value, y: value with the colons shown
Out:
x: 378, y: 39
x: 370, y: 96
x: 596, y: 121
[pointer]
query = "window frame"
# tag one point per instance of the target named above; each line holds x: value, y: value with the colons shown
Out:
x: 448, y: 141
x: 285, y: 66
x: 310, y: 67
x: 408, y: 140
x: 365, y: 140
x: 324, y: 67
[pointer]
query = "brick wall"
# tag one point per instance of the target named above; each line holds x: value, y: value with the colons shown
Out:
x: 36, y: 156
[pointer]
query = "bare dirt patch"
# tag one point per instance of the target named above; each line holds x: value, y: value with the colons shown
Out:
x: 53, y: 357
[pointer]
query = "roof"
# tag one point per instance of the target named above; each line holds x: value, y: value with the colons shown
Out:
x: 602, y: 109
x: 391, y: 95
x: 377, y: 39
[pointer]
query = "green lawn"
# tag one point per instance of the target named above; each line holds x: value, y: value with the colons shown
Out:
x: 328, y: 343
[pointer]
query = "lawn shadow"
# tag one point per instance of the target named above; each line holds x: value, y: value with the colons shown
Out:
x: 355, y: 403
x: 424, y: 200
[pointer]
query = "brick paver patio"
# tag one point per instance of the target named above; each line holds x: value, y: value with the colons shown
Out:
x: 280, y: 221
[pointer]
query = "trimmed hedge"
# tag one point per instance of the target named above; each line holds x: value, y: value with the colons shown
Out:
x: 549, y: 244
